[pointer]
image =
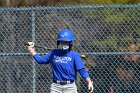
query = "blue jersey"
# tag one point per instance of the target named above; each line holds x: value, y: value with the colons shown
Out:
x: 65, y: 64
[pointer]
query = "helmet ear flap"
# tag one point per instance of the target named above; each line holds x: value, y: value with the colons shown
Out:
x: 70, y: 45
x: 58, y: 42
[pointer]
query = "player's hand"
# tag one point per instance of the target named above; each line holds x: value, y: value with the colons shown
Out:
x: 31, y: 45
x: 90, y: 86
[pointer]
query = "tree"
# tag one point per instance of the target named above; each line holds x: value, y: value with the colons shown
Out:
x: 14, y: 3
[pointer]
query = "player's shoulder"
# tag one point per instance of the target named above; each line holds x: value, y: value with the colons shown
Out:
x: 54, y: 50
x: 75, y: 53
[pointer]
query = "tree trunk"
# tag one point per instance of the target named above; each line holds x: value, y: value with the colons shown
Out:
x: 7, y: 2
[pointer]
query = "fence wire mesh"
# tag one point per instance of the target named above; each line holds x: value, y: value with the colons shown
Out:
x: 108, y: 36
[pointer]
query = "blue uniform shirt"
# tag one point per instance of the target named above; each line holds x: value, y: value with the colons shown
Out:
x: 65, y: 64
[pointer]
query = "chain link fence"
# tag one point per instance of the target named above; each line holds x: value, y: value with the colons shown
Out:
x: 108, y: 35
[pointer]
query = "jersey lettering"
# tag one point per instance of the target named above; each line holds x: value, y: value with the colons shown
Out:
x: 62, y: 59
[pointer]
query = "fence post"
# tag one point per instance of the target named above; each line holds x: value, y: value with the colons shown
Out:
x: 33, y: 40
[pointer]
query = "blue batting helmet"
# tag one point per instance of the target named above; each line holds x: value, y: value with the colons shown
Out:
x: 65, y: 35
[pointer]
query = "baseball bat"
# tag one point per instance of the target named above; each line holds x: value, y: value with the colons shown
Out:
x: 37, y: 46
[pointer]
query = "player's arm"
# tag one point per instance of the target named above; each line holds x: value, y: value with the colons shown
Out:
x: 83, y: 72
x: 41, y: 60
x: 85, y: 75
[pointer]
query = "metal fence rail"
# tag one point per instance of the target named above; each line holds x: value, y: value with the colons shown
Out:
x: 108, y: 35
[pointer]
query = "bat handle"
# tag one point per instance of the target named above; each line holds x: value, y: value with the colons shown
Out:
x: 39, y: 46
x: 26, y: 44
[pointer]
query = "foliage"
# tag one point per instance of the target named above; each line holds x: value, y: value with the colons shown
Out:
x: 18, y: 3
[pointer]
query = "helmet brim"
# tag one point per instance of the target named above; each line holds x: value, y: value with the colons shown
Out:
x: 64, y: 39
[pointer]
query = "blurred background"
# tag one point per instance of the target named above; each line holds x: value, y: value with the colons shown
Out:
x: 18, y: 3
x: 107, y: 32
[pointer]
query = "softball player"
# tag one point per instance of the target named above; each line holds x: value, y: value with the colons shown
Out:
x: 65, y: 64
